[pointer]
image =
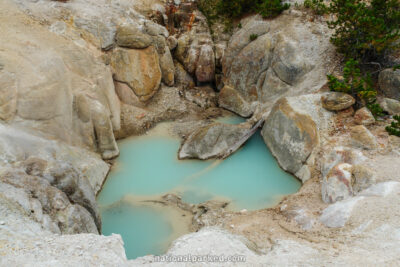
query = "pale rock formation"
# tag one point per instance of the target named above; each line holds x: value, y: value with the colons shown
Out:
x: 167, y: 68
x: 363, y: 177
x: 336, y: 215
x: 172, y: 42
x: 336, y: 101
x: 361, y: 137
x: 59, y: 181
x: 229, y: 98
x: 195, y: 49
x: 211, y: 141
x: 340, y: 155
x: 364, y: 117
x: 389, y: 83
x: 182, y: 77
x: 282, y: 61
x: 293, y: 128
x: 341, y: 170
x: 137, y: 118
x: 139, y: 69
x: 47, y: 78
x: 131, y: 37
x: 337, y: 184
x: 389, y: 105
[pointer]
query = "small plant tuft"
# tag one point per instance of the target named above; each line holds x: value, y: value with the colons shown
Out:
x: 394, y: 127
x: 253, y: 37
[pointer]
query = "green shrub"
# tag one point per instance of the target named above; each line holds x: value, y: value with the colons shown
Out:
x: 365, y: 30
x: 235, y: 8
x: 355, y: 84
x: 394, y: 127
x: 232, y: 9
x: 317, y: 6
x: 253, y: 37
x: 271, y: 8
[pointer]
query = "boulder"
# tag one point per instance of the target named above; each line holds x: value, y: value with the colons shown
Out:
x: 289, y: 64
x: 167, y: 68
x: 172, y: 42
x: 126, y: 95
x: 280, y: 62
x: 337, y: 184
x: 247, y: 66
x: 211, y: 141
x: 101, y: 32
x: 155, y: 29
x: 292, y: 130
x: 391, y: 106
x: 131, y: 37
x: 195, y: 51
x: 241, y: 38
x: 389, y: 83
x: 229, y: 98
x: 363, y: 177
x: 182, y: 77
x: 139, y: 69
x: 364, y: 117
x: 136, y: 119
x: 361, y: 137
x: 205, y: 69
x: 336, y: 101
x: 339, y: 155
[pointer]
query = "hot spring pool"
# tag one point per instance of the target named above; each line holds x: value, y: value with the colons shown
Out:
x: 148, y: 167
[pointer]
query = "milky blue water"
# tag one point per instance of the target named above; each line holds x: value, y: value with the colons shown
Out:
x: 144, y: 230
x: 148, y: 166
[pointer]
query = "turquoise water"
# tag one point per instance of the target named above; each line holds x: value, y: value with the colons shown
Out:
x: 143, y: 229
x: 148, y: 167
